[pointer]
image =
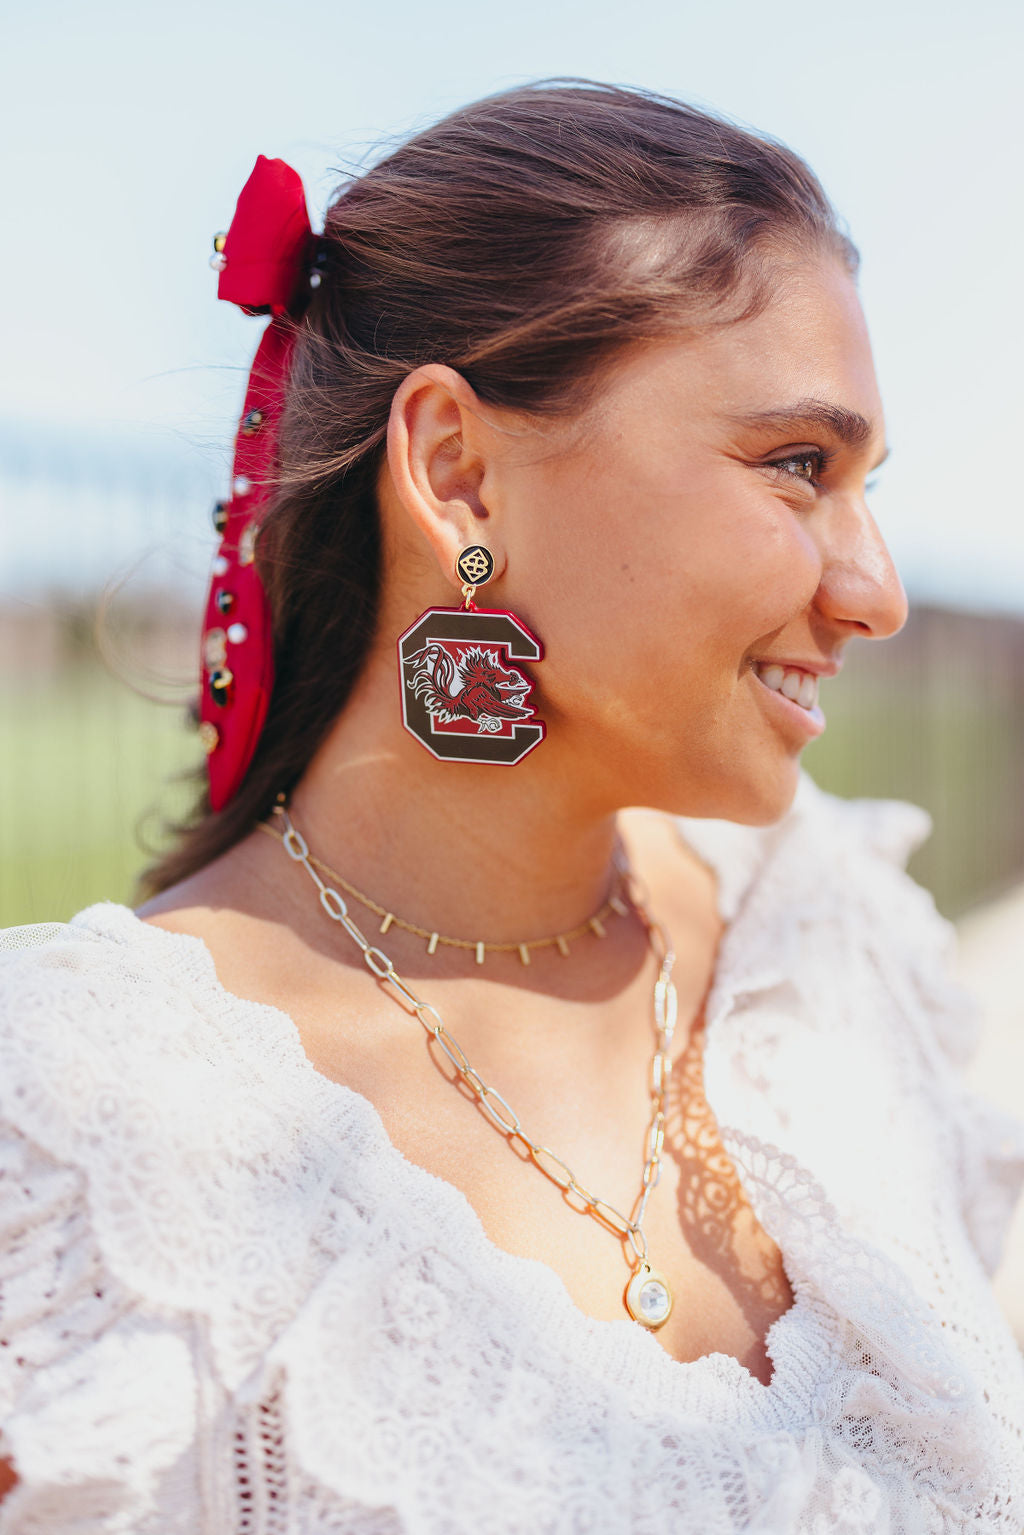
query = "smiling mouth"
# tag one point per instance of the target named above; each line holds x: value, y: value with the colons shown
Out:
x: 805, y: 721
x: 799, y: 687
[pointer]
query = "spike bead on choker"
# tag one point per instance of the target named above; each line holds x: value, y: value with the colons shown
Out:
x: 614, y: 906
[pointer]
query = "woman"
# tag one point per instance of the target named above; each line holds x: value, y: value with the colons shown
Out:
x: 580, y: 413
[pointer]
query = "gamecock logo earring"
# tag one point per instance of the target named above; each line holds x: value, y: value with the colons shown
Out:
x: 462, y: 696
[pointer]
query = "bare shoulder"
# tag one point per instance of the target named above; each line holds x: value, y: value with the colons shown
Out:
x: 240, y: 916
x: 204, y: 907
x: 230, y: 891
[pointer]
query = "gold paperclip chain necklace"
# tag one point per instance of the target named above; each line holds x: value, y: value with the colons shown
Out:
x: 647, y: 1297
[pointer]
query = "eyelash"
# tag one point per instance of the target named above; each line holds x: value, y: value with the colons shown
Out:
x: 820, y: 457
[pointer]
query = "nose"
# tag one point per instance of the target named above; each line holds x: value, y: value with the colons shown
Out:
x: 860, y: 586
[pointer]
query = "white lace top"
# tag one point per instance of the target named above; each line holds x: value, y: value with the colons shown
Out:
x: 229, y: 1304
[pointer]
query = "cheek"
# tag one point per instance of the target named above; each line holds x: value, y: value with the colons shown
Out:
x: 603, y: 597
x: 649, y: 597
x: 752, y: 572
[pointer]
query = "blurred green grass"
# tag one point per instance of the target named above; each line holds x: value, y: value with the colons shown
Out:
x: 85, y: 772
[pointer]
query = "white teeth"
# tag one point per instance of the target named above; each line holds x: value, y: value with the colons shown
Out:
x: 801, y: 687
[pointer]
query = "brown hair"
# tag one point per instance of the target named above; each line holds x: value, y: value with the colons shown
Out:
x: 524, y: 241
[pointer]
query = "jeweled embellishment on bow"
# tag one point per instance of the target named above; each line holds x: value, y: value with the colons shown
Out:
x: 648, y: 1298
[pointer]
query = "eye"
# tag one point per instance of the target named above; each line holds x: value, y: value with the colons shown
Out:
x: 809, y: 467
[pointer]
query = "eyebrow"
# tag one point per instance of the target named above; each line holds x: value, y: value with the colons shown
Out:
x: 849, y: 426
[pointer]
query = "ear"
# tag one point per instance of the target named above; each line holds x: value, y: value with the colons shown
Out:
x: 438, y: 454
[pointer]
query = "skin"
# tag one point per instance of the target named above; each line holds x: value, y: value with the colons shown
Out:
x: 657, y: 547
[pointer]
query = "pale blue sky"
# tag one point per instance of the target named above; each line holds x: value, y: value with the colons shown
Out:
x: 131, y: 127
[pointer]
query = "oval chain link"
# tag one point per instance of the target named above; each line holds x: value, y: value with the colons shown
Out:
x: 497, y: 1108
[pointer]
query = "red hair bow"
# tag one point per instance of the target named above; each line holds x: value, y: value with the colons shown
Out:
x: 265, y: 262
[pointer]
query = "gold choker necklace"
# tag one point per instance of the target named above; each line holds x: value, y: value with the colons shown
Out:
x: 615, y: 905
x: 647, y: 1296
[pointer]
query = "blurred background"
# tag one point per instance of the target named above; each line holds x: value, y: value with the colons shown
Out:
x: 130, y: 132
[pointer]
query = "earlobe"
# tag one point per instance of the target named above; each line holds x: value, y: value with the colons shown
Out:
x: 438, y: 461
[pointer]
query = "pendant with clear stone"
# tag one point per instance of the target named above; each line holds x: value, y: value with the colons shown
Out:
x: 648, y: 1298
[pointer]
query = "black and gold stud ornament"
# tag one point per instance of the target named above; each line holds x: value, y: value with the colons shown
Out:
x: 221, y: 682
x: 474, y: 567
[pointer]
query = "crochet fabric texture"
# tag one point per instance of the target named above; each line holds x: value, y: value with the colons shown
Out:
x: 229, y: 1304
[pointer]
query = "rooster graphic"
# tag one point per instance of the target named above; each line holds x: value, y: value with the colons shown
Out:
x: 470, y: 689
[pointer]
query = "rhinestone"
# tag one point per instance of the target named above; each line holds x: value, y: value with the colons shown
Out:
x: 648, y: 1298
x: 220, y: 566
x: 654, y: 1301
x: 220, y: 686
x: 219, y: 242
x: 251, y: 422
x: 247, y: 544
x: 238, y: 634
x: 209, y: 737
x: 220, y: 516
x: 224, y: 601
x: 215, y: 651
x: 242, y: 485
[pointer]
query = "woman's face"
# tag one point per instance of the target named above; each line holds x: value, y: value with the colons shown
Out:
x: 707, y: 517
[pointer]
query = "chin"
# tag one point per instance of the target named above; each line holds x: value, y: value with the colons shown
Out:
x: 758, y: 799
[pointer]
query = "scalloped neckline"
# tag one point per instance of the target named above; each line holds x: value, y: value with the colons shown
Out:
x: 620, y: 1343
